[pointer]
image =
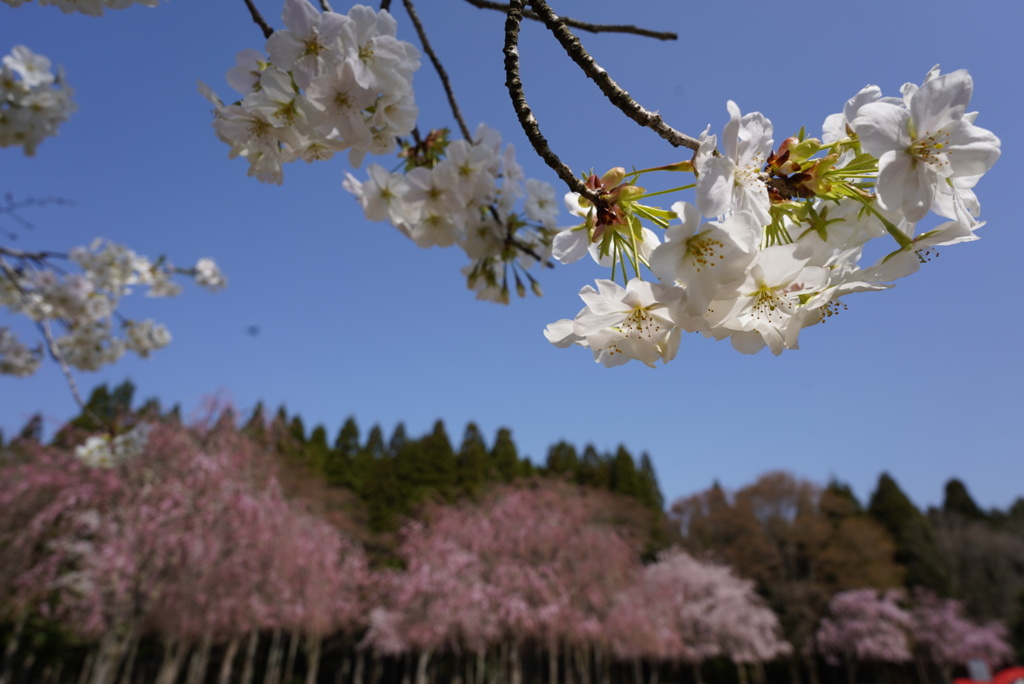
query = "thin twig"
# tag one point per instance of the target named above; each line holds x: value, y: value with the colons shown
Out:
x: 258, y: 18
x: 523, y: 112
x: 51, y: 345
x: 325, y: 6
x: 441, y: 73
x: 385, y: 5
x: 615, y: 94
x: 583, y: 25
x: 12, y: 208
x: 31, y: 256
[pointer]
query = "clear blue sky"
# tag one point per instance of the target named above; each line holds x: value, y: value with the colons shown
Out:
x: 923, y: 381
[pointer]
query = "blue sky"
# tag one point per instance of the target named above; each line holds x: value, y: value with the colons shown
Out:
x: 923, y: 381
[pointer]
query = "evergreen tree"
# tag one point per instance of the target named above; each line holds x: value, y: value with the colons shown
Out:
x: 297, y: 430
x: 364, y: 457
x: 339, y: 464
x: 594, y: 469
x: 397, y: 441
x: 910, y: 530
x: 317, y: 452
x: 121, y: 400
x: 227, y: 421
x: 472, y: 460
x: 98, y: 405
x: 282, y: 433
x: 381, y: 492
x: 504, y: 456
x: 623, y: 477
x: 430, y: 467
x: 375, y: 443
x: 959, y: 502
x: 150, y: 409
x: 651, y: 495
x: 293, y: 440
x: 563, y: 460
x: 109, y: 407
x: 32, y: 430
x: 347, y: 441
x: 256, y: 427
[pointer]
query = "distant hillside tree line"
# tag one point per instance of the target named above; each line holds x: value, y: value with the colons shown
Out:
x: 250, y: 549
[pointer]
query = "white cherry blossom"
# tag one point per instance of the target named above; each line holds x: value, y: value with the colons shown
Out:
x: 705, y: 257
x: 769, y: 297
x: 733, y: 180
x: 920, y: 146
x: 641, y: 321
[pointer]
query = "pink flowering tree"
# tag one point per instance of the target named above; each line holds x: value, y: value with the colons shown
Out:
x: 529, y: 566
x: 50, y: 517
x: 684, y: 609
x: 943, y: 636
x: 191, y: 544
x: 864, y: 625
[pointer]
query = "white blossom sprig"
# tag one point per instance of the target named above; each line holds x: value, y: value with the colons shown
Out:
x: 788, y: 227
x: 330, y: 82
x: 83, y: 303
x: 465, y: 193
x: 93, y: 8
x: 34, y: 100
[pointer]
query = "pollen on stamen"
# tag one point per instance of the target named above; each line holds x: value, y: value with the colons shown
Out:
x: 342, y: 101
x: 767, y: 306
x: 832, y: 308
x: 926, y: 255
x: 313, y: 47
x: 703, y: 252
x: 641, y: 324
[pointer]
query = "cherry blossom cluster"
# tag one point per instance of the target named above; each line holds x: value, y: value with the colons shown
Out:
x: 84, y: 303
x: 788, y: 228
x: 330, y: 82
x: 864, y: 625
x: 464, y: 193
x: 34, y: 100
x: 93, y: 8
x: 104, y: 451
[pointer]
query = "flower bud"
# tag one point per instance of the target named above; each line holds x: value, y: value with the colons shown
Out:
x: 630, y: 192
x: 805, y: 149
x: 613, y: 177
x: 787, y: 145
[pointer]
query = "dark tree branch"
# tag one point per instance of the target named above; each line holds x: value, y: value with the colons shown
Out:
x: 385, y: 5
x: 325, y: 6
x: 258, y: 18
x: 582, y: 25
x: 615, y: 94
x: 12, y: 209
x: 37, y: 257
x: 438, y: 67
x: 523, y: 112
